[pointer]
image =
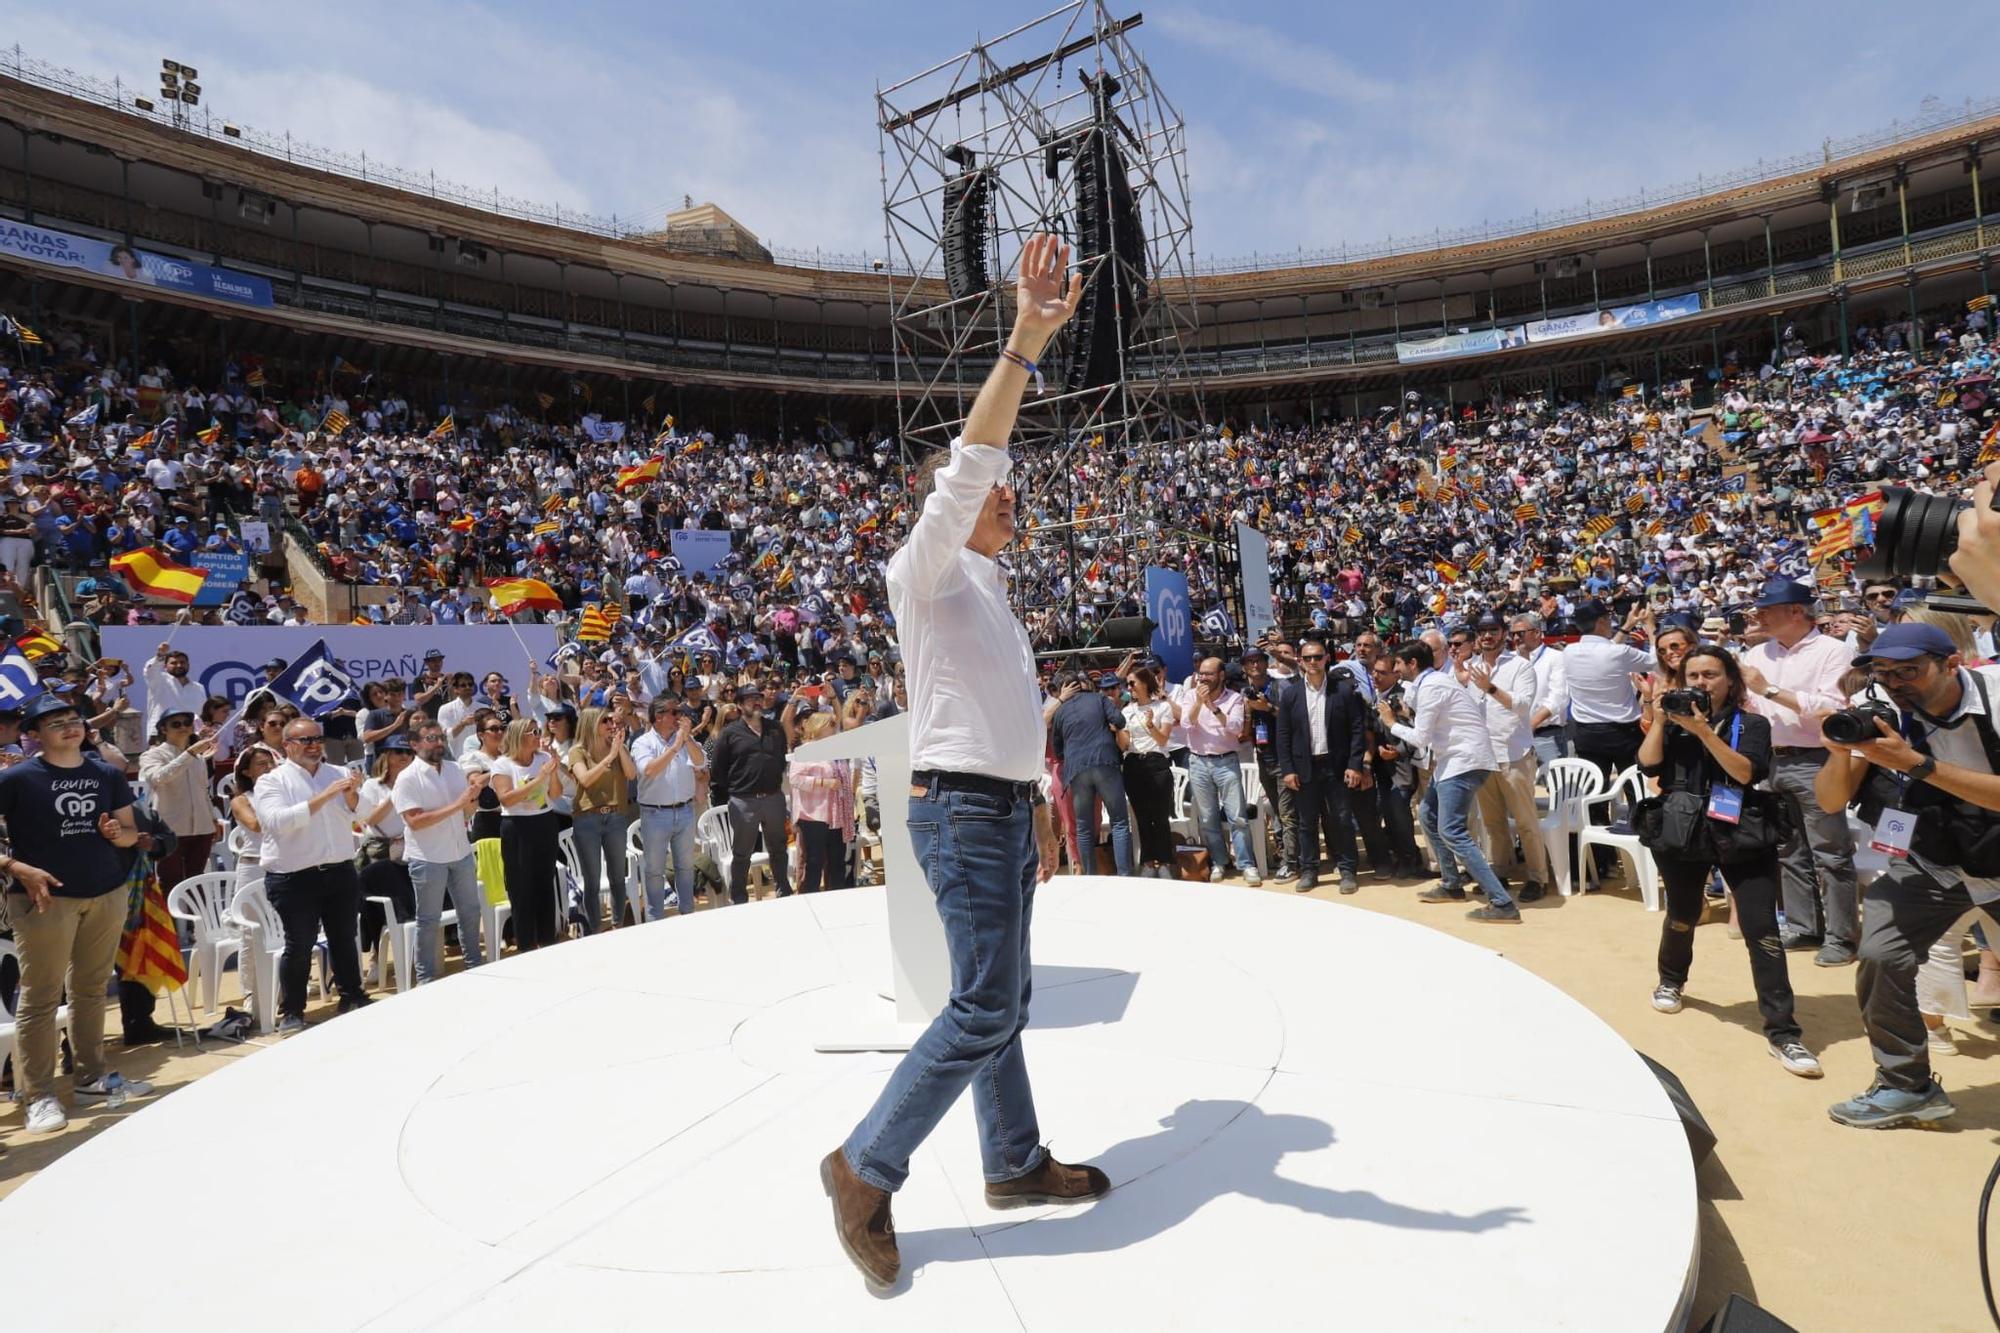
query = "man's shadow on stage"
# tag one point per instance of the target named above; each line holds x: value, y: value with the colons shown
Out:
x: 1207, y: 1149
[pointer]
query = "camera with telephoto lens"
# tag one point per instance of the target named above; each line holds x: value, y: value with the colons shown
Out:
x: 1685, y: 703
x: 1852, y: 726
x: 1915, y: 535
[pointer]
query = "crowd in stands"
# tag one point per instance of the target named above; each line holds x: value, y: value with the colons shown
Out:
x: 1468, y: 598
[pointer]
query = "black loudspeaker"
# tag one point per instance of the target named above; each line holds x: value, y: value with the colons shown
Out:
x: 968, y: 205
x: 1701, y: 1139
x: 1128, y: 632
x: 1107, y: 224
x: 1738, y: 1315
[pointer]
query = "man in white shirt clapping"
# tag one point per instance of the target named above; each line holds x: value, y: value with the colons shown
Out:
x: 306, y: 807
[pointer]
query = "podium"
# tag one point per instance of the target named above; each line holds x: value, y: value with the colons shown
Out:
x: 919, y: 972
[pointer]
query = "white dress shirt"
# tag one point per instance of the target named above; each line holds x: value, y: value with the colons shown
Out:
x: 450, y: 714
x: 1512, y: 737
x: 165, y: 694
x: 1551, y: 685
x: 1597, y: 674
x: 1316, y: 719
x: 422, y: 787
x: 1449, y: 724
x: 672, y: 785
x: 296, y: 838
x: 974, y: 704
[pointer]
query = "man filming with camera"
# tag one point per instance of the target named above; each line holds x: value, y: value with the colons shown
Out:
x: 1918, y: 757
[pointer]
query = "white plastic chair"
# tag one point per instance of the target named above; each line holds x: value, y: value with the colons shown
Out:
x: 1620, y: 836
x: 1182, y: 820
x: 1254, y: 794
x: 203, y: 901
x: 570, y: 861
x: 400, y: 939
x: 635, y: 874
x: 7, y: 1030
x: 263, y: 935
x: 1570, y: 782
x: 713, y: 831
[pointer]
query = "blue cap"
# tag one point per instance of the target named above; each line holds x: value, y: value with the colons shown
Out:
x: 1782, y: 591
x: 41, y: 706
x: 1900, y: 643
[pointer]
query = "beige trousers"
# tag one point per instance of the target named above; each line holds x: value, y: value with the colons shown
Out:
x: 75, y: 939
x: 1510, y: 794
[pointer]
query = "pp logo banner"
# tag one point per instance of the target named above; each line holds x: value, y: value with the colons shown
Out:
x: 1167, y: 603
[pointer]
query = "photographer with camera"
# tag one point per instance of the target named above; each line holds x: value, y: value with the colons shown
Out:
x: 1708, y: 754
x: 1793, y: 675
x: 1929, y: 784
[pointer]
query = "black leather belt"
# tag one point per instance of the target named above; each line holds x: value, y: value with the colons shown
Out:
x: 677, y: 805
x: 975, y: 782
x: 1798, y: 749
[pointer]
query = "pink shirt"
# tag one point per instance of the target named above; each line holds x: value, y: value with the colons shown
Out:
x: 1810, y: 669
x: 824, y: 792
x: 1205, y: 734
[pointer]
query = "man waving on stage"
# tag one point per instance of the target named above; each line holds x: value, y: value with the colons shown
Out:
x: 975, y: 752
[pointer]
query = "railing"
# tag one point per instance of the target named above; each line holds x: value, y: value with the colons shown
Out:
x: 1933, y: 118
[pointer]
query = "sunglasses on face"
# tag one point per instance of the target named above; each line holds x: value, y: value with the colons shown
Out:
x: 1312, y: 657
x: 486, y: 729
x: 305, y: 740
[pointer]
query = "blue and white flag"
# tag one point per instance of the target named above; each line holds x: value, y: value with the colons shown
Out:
x: 1219, y: 624
x: 316, y: 684
x: 84, y: 420
x: 700, y: 639
x: 19, y: 681
x: 27, y: 453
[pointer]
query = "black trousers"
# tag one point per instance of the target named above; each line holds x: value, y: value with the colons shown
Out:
x: 1149, y: 781
x: 1324, y: 803
x: 1396, y: 806
x: 320, y: 898
x: 825, y: 851
x: 1364, y: 815
x: 528, y: 856
x: 1755, y: 884
x: 1612, y: 746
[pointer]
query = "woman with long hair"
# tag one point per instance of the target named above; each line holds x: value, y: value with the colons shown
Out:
x: 1707, y: 760
x: 823, y: 811
x: 1149, y: 776
x: 253, y: 763
x: 602, y: 764
x: 524, y: 777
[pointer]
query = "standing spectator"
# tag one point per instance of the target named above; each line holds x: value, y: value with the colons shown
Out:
x: 306, y: 807
x: 68, y: 816
x: 1211, y: 715
x: 1793, y: 675
x: 1395, y: 779
x: 1087, y: 734
x: 168, y: 687
x: 746, y: 768
x: 1322, y: 756
x: 1447, y: 721
x: 175, y: 771
x: 604, y: 770
x: 1507, y: 683
x: 458, y: 714
x: 1545, y: 716
x: 1149, y: 777
x: 1262, y: 692
x: 1603, y: 701
x: 667, y: 763
x: 435, y: 798
x: 823, y: 806
x: 387, y: 716
x: 524, y: 777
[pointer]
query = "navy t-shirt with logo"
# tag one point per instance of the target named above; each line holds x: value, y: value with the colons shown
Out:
x: 51, y: 816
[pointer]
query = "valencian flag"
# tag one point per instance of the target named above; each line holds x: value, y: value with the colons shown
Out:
x: 1656, y: 527
x: 594, y: 627
x: 639, y: 473
x: 1481, y: 505
x: 1600, y: 525
x: 1527, y: 513
x: 1699, y: 524
x: 1477, y: 563
x: 445, y: 429
x: 1407, y: 507
x: 1354, y: 536
x: 1635, y: 503
x: 1978, y: 303
x: 546, y: 528
x: 335, y: 422
x: 212, y: 434
x: 546, y: 400
x: 511, y: 595
x: 152, y: 574
x: 149, y: 952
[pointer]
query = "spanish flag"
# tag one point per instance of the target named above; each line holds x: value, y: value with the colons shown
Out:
x: 690, y: 448
x: 869, y: 524
x: 511, y: 595
x: 594, y: 627
x: 1447, y: 571
x: 212, y: 434
x: 153, y: 575
x: 144, y: 441
x: 639, y: 473
x: 463, y: 523
x: 38, y: 645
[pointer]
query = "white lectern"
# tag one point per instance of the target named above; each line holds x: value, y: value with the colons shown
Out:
x: 919, y: 963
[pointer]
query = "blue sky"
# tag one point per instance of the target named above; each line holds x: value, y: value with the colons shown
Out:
x: 1309, y: 125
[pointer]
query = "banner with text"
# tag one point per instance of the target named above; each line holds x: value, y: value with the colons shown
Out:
x: 1253, y: 556
x: 1450, y: 344
x: 227, y: 570
x: 1167, y: 603
x: 64, y: 249
x: 228, y: 659
x: 1610, y: 321
x: 699, y: 550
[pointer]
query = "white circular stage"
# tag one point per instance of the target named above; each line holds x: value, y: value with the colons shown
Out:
x: 1312, y: 1116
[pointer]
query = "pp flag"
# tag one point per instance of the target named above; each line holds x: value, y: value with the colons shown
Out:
x: 84, y: 420
x: 700, y: 639
x: 1219, y: 624
x: 19, y: 681
x: 316, y: 683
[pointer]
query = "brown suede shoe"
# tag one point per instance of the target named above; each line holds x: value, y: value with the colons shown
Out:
x: 861, y: 1219
x: 1051, y: 1182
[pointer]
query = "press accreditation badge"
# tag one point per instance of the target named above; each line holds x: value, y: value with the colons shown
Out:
x: 1725, y: 802
x: 1892, y: 832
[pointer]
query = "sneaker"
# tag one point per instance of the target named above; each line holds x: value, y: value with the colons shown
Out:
x: 351, y: 1002
x: 1348, y: 882
x: 1834, y: 953
x: 291, y: 1023
x: 1667, y: 998
x: 1884, y: 1107
x: 1798, y: 943
x: 1306, y: 883
x: 1938, y: 1041
x: 46, y: 1116
x: 1509, y: 915
x: 1441, y: 894
x: 1283, y: 873
x: 114, y: 1086
x: 1531, y: 892
x: 1796, y: 1059
x: 1252, y: 878
x: 1215, y: 875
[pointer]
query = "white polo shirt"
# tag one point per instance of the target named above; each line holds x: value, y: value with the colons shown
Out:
x: 422, y: 787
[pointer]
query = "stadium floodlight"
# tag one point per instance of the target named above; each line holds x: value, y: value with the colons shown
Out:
x: 142, y: 104
x: 169, y: 68
x: 191, y: 93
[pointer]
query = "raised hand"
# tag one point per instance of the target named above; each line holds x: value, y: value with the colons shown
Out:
x: 1044, y: 303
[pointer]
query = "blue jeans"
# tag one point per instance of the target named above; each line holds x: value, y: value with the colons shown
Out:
x: 432, y: 880
x: 1549, y: 746
x: 1086, y: 788
x: 600, y: 849
x: 1447, y: 806
x: 660, y: 831
x: 978, y: 855
x: 1216, y: 783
